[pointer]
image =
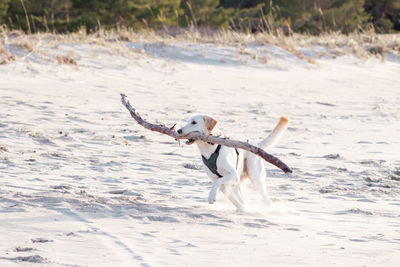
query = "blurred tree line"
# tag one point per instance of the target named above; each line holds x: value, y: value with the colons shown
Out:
x: 311, y: 16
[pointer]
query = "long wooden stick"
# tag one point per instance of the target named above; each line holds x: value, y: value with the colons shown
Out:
x: 205, y: 138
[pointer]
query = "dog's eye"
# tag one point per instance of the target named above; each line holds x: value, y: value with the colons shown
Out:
x: 193, y: 122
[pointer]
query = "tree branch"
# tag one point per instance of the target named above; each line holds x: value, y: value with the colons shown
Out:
x: 205, y: 138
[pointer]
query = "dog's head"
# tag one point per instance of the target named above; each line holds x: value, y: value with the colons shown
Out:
x: 198, y: 123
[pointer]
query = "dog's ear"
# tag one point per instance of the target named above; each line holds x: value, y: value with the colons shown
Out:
x: 210, y: 122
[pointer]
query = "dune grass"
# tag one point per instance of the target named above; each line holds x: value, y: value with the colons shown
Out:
x: 364, y: 45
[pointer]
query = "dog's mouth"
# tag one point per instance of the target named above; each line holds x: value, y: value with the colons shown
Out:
x: 190, y: 141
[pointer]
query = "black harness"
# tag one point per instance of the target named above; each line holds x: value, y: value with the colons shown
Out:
x: 211, y: 162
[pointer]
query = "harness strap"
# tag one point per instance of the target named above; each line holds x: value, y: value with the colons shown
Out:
x: 237, y: 158
x: 211, y: 162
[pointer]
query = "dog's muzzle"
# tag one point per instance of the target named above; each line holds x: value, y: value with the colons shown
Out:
x: 189, y: 141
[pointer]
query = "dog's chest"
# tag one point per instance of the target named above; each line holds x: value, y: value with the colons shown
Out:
x: 211, y: 163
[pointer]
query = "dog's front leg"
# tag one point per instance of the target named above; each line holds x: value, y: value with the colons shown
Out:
x: 232, y: 194
x: 228, y: 179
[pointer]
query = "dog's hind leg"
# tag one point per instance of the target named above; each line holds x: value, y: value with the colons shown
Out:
x: 257, y: 177
x: 238, y: 193
x: 259, y: 184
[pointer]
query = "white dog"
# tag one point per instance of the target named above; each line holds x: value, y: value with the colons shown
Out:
x: 227, y: 167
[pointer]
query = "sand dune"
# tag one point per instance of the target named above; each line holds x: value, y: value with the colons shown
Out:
x: 82, y: 185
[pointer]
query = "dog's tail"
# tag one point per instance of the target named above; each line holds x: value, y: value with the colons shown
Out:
x: 276, y: 133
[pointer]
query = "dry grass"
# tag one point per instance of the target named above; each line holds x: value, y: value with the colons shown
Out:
x: 7, y: 57
x: 67, y: 60
x: 3, y: 51
x: 26, y: 44
x: 364, y: 45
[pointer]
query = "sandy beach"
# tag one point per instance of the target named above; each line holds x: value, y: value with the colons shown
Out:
x: 82, y: 184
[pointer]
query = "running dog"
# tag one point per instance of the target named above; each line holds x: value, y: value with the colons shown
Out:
x: 228, y: 167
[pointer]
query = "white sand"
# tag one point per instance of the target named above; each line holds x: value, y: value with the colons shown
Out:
x: 82, y: 184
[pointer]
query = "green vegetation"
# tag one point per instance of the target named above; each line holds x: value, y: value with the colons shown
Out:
x: 307, y: 16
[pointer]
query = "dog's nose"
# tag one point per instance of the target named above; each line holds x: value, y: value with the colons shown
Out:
x: 179, y: 131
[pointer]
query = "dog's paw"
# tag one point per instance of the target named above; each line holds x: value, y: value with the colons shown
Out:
x: 212, y: 197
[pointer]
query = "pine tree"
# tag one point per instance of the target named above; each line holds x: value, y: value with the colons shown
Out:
x: 385, y: 14
x: 4, y: 4
x: 202, y: 13
x: 313, y: 16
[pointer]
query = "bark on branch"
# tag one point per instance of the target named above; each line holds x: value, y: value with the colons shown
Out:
x: 205, y: 138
